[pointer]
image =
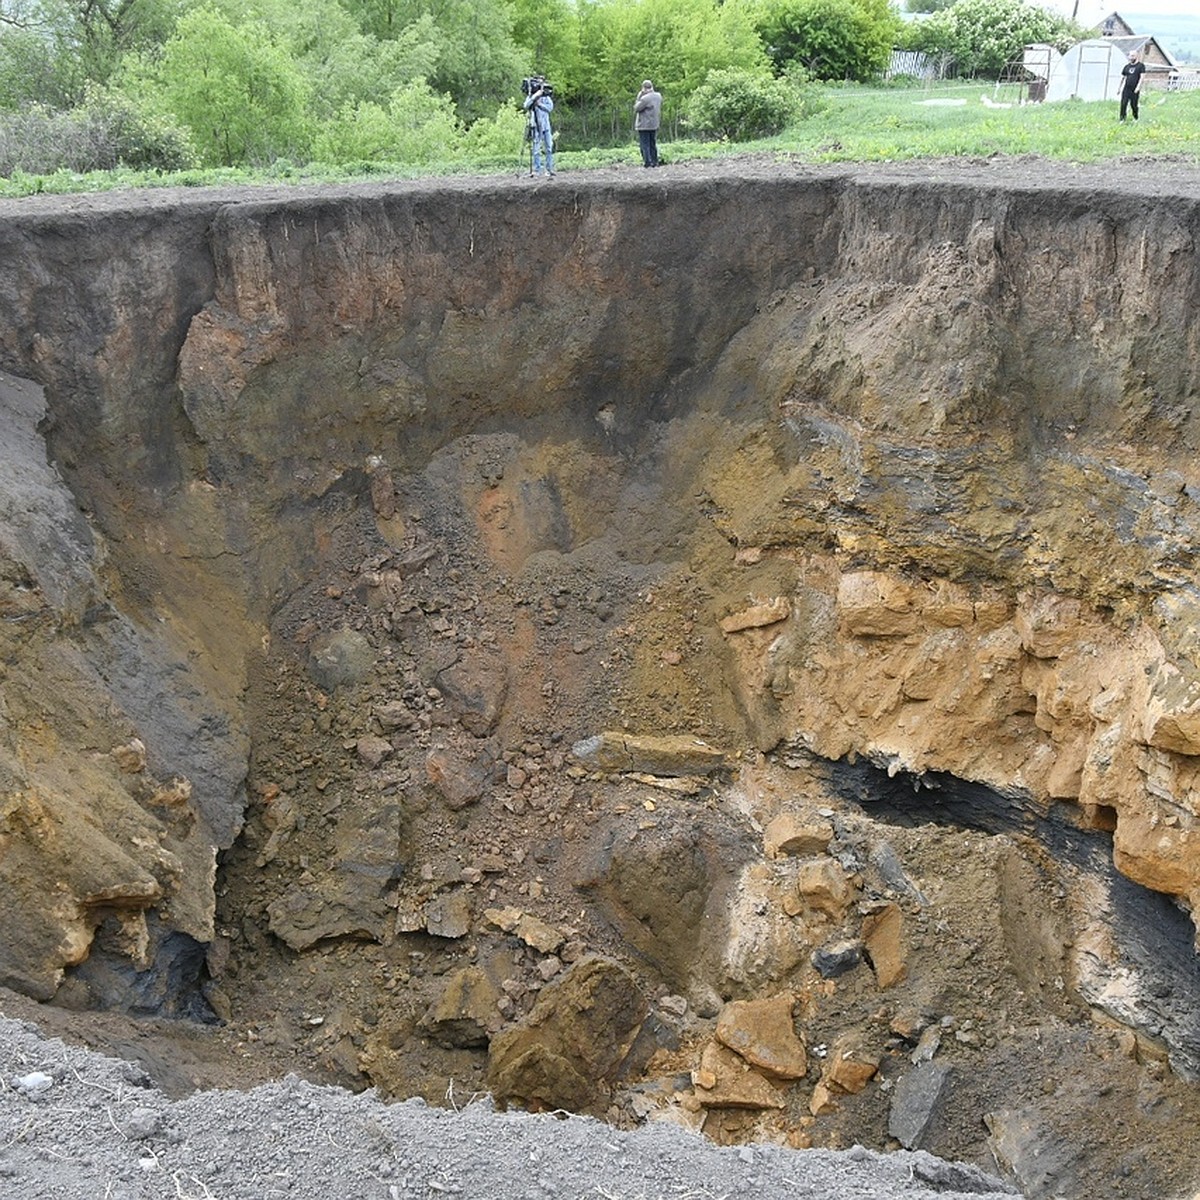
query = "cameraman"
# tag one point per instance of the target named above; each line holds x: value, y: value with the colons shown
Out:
x: 539, y: 106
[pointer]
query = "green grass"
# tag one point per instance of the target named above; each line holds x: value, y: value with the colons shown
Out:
x: 848, y: 124
x: 888, y: 124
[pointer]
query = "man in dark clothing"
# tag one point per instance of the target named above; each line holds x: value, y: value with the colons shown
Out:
x: 647, y: 111
x: 1131, y: 84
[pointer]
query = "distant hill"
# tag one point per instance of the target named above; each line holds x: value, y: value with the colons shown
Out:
x: 1179, y: 35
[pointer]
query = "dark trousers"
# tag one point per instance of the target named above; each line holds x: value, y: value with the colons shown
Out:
x: 648, y: 139
x: 1129, y: 100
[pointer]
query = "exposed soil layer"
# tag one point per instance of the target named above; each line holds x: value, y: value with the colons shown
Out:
x: 716, y: 649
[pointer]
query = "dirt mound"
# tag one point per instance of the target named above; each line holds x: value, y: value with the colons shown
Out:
x: 77, y: 1125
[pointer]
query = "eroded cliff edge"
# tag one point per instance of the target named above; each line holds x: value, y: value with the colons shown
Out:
x: 891, y: 465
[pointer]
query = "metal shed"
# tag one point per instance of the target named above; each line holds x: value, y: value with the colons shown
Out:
x: 1091, y: 70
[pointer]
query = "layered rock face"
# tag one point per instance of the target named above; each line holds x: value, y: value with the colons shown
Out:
x: 894, y: 465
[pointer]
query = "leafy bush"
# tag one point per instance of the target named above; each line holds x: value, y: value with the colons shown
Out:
x: 418, y: 126
x: 105, y: 133
x: 740, y: 105
x: 497, y: 139
x: 984, y: 36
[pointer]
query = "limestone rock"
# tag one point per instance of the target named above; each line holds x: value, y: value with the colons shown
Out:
x: 1048, y: 624
x: 464, y: 1014
x: 764, y: 1034
x: 131, y: 756
x: 883, y: 937
x: 770, y: 612
x: 673, y: 755
x: 1155, y: 854
x: 1172, y: 716
x: 822, y: 1101
x: 725, y: 1080
x: 569, y: 1051
x: 822, y: 887
x: 875, y: 604
x: 791, y: 834
x: 850, y: 1065
x: 533, y: 931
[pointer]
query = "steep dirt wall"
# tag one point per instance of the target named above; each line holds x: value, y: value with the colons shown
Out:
x: 908, y: 454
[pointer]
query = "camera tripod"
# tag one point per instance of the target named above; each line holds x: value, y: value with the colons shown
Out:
x: 525, y: 157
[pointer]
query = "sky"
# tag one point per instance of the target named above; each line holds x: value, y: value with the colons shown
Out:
x: 1091, y: 11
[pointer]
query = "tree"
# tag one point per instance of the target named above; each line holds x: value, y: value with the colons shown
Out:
x: 547, y: 32
x: 674, y: 42
x: 479, y: 62
x: 983, y: 36
x: 31, y: 72
x: 240, y: 95
x: 63, y: 45
x: 101, y: 32
x: 342, y: 64
x: 829, y: 39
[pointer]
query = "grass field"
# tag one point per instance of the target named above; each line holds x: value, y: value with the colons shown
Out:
x: 960, y: 120
x: 844, y: 124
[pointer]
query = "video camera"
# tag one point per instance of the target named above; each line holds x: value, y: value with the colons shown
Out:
x: 533, y: 83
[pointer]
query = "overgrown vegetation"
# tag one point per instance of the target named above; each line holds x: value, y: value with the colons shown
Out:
x: 849, y: 124
x: 981, y: 37
x: 241, y: 83
x: 128, y: 92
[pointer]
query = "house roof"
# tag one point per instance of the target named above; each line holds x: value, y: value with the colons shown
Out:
x: 1153, y: 55
x: 1114, y: 25
x: 1116, y: 29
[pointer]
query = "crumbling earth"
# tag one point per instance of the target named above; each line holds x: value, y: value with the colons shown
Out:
x: 77, y: 1125
x: 591, y: 755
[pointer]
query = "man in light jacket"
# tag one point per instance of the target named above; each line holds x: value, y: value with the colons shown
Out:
x: 647, y: 110
x: 539, y: 106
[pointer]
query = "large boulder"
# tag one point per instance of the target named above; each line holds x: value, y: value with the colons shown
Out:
x: 569, y: 1051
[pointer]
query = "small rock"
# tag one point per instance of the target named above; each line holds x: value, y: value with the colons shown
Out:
x: 373, y: 751
x: 883, y: 937
x: 141, y: 1123
x: 915, y: 1103
x: 790, y: 834
x: 36, y: 1083
x: 131, y: 757
x: 448, y: 916
x: 837, y: 958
